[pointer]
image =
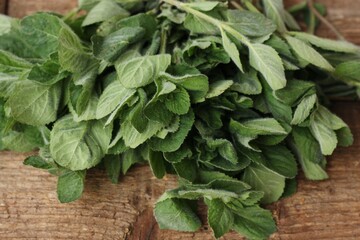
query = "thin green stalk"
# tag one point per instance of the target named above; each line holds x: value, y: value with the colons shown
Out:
x: 214, y: 21
x: 250, y: 6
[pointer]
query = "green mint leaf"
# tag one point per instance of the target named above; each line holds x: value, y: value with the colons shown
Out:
x: 173, y: 141
x: 219, y: 87
x: 247, y: 83
x: 309, y: 54
x: 141, y: 71
x: 203, y: 6
x: 114, y: 96
x: 178, y: 155
x: 231, y: 49
x: 197, y: 85
x: 267, y: 61
x: 47, y: 73
x: 133, y: 138
x: 186, y: 169
x: 308, y: 153
x: 41, y: 32
x: 70, y: 186
x: 274, y: 9
x: 113, y: 167
x: 249, y: 23
x: 143, y: 20
x: 324, y: 135
x: 129, y: 158
x: 303, y: 109
x: 109, y: 48
x: 178, y: 101
x: 263, y: 179
x: 79, y: 146
x: 176, y: 214
x: 280, y: 160
x: 157, y: 165
x: 34, y: 104
x: 103, y: 11
x: 5, y: 24
x: 327, y: 44
x: 220, y: 218
x: 254, y: 222
x: 349, y: 72
x: 38, y: 162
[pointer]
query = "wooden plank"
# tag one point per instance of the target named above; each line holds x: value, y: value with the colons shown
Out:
x: 2, y: 6
x: 21, y: 8
x: 320, y: 210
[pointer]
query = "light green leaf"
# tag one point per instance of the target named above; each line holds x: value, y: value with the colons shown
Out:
x: 70, y: 186
x: 274, y: 9
x: 22, y: 141
x: 72, y: 56
x: 129, y: 158
x: 173, y: 141
x: 197, y: 85
x: 177, y: 215
x: 79, y: 145
x: 197, y: 25
x: 41, y: 32
x: 231, y: 49
x: 250, y: 23
x: 263, y: 126
x: 203, y: 6
x: 349, y: 72
x: 143, y: 20
x: 309, y: 54
x: 219, y: 87
x: 113, y: 97
x: 103, y: 11
x: 109, y: 48
x: 308, y: 153
x: 34, y: 104
x: 324, y: 135
x: 141, y: 71
x: 327, y: 44
x: 133, y: 138
x: 303, y: 109
x: 178, y: 101
x: 263, y: 179
x: 5, y: 24
x: 247, y: 83
x: 267, y: 61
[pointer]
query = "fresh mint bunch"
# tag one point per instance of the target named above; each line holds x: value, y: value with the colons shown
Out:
x: 232, y: 101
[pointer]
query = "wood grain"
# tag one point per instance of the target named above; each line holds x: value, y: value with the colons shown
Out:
x: 343, y: 14
x: 320, y: 210
x: 2, y: 6
x: 21, y: 8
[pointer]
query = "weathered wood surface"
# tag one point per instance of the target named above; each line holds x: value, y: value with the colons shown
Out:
x: 343, y: 14
x: 320, y: 210
x: 2, y: 6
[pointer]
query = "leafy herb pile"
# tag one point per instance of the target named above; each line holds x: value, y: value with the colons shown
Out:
x: 230, y: 100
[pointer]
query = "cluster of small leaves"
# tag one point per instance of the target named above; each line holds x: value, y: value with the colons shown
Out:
x: 229, y: 100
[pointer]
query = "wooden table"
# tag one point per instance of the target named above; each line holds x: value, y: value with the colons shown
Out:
x: 320, y: 210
